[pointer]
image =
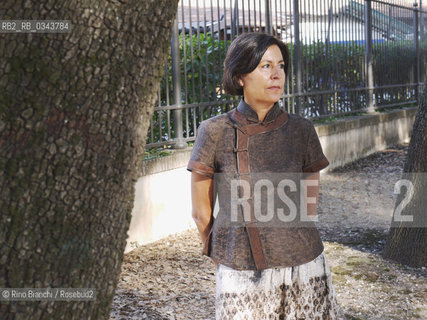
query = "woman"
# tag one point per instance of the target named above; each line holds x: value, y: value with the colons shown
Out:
x: 265, y: 270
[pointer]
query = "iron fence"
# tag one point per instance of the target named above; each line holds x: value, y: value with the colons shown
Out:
x: 347, y: 57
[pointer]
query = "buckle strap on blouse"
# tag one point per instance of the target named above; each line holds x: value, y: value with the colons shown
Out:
x: 242, y: 163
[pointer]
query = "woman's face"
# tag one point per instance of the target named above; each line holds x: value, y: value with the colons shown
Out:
x: 264, y: 86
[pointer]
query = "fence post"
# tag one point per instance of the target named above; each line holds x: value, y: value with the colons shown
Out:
x: 417, y: 52
x: 176, y: 82
x: 234, y: 29
x: 421, y: 21
x: 369, y: 70
x: 390, y: 12
x: 325, y: 76
x: 268, y: 17
x: 297, y: 58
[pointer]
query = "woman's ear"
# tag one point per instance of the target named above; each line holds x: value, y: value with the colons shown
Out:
x: 240, y: 82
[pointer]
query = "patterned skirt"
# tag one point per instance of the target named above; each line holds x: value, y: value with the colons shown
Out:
x: 292, y: 293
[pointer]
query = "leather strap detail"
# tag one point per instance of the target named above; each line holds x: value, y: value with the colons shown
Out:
x: 244, y: 129
x: 242, y: 160
x: 255, y: 243
x: 238, y: 117
x: 243, y: 170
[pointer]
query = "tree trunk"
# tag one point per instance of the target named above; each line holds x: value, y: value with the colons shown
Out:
x: 407, y: 241
x: 74, y: 112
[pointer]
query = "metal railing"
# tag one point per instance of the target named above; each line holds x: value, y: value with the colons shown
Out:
x: 346, y: 57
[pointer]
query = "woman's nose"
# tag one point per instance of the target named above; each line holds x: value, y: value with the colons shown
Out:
x: 277, y: 72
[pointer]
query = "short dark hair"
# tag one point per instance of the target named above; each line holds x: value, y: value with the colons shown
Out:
x: 244, y: 55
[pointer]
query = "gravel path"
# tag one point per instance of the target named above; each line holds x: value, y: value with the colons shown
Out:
x: 169, y: 279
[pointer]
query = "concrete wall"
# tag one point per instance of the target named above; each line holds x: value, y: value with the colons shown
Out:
x: 162, y: 200
x: 162, y: 196
x: 347, y: 140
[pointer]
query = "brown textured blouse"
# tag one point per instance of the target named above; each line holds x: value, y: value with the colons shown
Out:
x: 238, y: 145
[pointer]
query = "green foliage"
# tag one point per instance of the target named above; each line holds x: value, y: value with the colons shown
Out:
x: 202, y: 67
x: 154, y: 153
x: 341, y: 67
x: 201, y: 63
x: 333, y: 67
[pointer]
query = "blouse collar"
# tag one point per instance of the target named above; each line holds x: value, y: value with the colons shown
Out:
x: 252, y: 116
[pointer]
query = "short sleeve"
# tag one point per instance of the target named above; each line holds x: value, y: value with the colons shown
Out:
x: 203, y: 154
x: 314, y: 159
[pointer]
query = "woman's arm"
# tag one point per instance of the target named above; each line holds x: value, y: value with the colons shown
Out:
x: 312, y: 194
x: 202, y: 201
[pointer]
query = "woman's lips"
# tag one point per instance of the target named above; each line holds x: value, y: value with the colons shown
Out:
x: 275, y: 88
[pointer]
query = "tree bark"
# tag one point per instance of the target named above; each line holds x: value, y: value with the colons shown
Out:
x: 407, y: 241
x: 74, y: 112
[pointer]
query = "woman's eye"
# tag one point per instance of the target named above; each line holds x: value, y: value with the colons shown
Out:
x: 266, y: 66
x: 282, y: 66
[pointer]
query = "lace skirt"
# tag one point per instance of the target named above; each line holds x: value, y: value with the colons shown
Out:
x: 292, y: 293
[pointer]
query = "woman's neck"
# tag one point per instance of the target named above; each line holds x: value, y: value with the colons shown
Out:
x: 260, y: 109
